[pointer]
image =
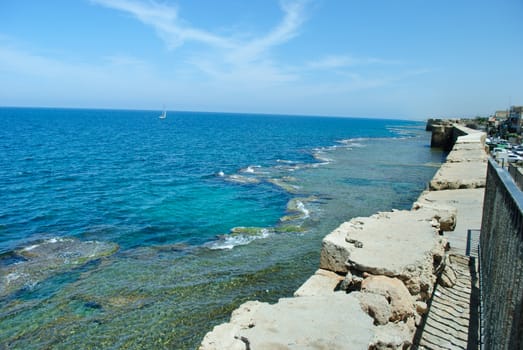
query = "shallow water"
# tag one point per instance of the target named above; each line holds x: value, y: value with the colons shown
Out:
x: 169, y: 192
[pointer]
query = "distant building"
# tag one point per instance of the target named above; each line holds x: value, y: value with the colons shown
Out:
x: 515, y: 118
x: 501, y: 115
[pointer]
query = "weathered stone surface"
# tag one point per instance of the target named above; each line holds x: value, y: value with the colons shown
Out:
x: 395, y: 292
x: 468, y: 202
x: 376, y: 306
x: 403, y: 244
x: 334, y: 252
x: 323, y: 282
x: 324, y: 322
x: 421, y: 307
x: 444, y: 214
x: 392, y: 336
x: 466, y: 165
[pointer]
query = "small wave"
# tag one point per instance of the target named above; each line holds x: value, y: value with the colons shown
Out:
x: 289, y: 167
x: 320, y: 156
x: 284, y: 161
x: 284, y: 184
x: 236, y: 239
x: 356, y: 143
x: 297, y: 209
x: 402, y: 131
x: 250, y: 169
x: 301, y: 207
x: 245, y: 180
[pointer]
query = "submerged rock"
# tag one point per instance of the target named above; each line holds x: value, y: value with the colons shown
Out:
x: 44, y: 259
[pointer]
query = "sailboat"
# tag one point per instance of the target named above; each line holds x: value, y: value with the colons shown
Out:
x: 163, y: 115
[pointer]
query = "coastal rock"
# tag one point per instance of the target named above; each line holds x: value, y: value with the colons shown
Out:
x: 403, y: 244
x: 395, y: 292
x: 421, y: 307
x: 334, y: 251
x: 444, y: 214
x: 319, y: 322
x: 376, y: 306
x: 392, y: 336
x: 323, y: 282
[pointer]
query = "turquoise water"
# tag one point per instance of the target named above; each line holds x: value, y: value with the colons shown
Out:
x: 122, y: 230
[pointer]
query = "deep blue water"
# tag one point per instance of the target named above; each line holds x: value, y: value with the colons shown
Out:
x: 167, y: 194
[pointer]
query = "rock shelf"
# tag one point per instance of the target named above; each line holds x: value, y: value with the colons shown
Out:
x: 376, y: 273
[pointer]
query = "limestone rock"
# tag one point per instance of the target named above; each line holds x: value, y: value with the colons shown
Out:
x: 222, y: 337
x: 320, y: 322
x: 444, y: 214
x: 323, y: 282
x: 376, y: 306
x: 466, y: 166
x: 392, y: 336
x: 403, y: 244
x: 421, y: 307
x: 334, y: 252
x: 395, y: 292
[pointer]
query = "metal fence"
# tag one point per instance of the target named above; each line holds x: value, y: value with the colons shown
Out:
x: 516, y: 174
x: 501, y: 262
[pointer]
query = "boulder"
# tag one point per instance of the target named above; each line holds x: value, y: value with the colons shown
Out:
x: 395, y: 292
x: 403, y: 244
x: 376, y: 306
x: 445, y: 214
x: 392, y: 336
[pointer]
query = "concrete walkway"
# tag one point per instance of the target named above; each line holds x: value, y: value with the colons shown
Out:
x: 452, y: 319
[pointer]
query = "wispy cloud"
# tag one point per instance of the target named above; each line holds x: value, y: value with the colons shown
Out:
x: 345, y: 61
x: 165, y: 20
x: 239, y: 57
x: 287, y: 29
x: 175, y: 31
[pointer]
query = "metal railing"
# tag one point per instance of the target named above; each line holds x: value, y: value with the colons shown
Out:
x: 501, y: 262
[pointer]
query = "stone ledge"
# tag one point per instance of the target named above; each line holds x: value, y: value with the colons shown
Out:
x: 321, y: 322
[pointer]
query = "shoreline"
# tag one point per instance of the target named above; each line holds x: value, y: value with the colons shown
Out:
x: 365, y: 271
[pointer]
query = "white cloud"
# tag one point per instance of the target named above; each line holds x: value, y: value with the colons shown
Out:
x: 287, y: 29
x: 345, y: 61
x: 228, y: 51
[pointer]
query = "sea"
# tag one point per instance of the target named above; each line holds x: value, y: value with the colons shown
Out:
x: 122, y: 230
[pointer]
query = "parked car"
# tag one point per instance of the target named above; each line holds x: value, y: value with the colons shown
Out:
x: 513, y: 158
x: 499, y: 152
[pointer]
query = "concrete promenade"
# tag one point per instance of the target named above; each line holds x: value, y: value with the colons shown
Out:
x: 394, y: 280
x: 451, y: 322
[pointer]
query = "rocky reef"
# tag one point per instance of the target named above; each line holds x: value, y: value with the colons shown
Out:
x: 25, y: 267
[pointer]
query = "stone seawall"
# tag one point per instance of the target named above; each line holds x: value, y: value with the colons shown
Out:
x: 376, y: 273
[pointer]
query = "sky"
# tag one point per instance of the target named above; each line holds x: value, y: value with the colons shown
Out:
x: 408, y: 59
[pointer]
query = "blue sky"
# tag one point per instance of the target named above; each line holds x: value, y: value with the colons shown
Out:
x: 375, y: 58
